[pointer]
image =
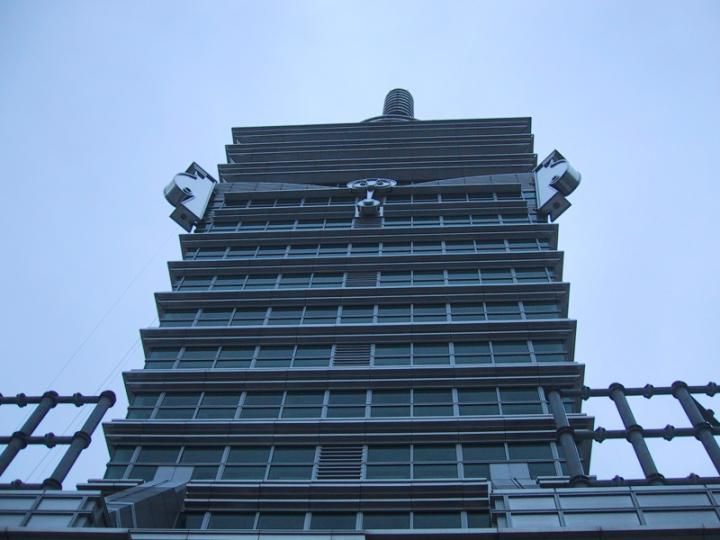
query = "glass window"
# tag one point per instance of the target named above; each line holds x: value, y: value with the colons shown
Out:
x: 488, y: 246
x: 434, y: 461
x: 682, y: 518
x: 428, y: 278
x: 309, y: 355
x: 202, y: 454
x: 218, y: 405
x: 596, y: 501
x: 327, y: 280
x: 522, y: 451
x: 360, y: 248
x: 535, y: 520
x: 483, y: 452
x: 266, y: 281
x: 478, y: 520
x: 511, y: 351
x: 394, y: 279
x: 393, y: 314
x: 497, y: 275
x: 198, y: 283
x: 531, y: 275
x: 468, y: 312
x: 235, y: 357
x: 274, y: 356
x: 292, y: 463
x: 461, y: 277
x: 357, y: 314
x: 478, y: 402
x: 541, y: 310
x: 161, y: 357
x: 308, y: 250
x: 303, y: 404
x: 420, y: 248
x: 229, y: 282
x: 436, y: 520
x: 429, y: 312
x: 392, y: 354
x: 395, y: 248
x: 502, y: 310
x: 246, y: 463
x: 244, y: 252
x: 294, y: 281
x: 184, y: 317
x: 234, y: 520
x: 214, y: 316
x: 60, y: 503
x: 346, y: 404
x: 472, y: 352
x: 673, y: 499
x: 285, y: 315
x: 432, y: 402
x: 431, y: 353
x: 388, y: 462
x: 531, y: 503
x: 261, y: 405
x: 386, y: 520
x: 49, y: 520
x: 333, y: 250
x: 270, y: 252
x: 387, y: 403
x: 456, y: 220
x: 158, y: 454
x: 320, y: 315
x: 594, y: 519
x: 281, y: 520
x: 209, y: 253
x: 549, y: 351
x: 198, y: 357
x: 249, y: 317
x: 322, y: 521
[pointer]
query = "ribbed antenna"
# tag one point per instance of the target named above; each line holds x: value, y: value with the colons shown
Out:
x: 399, y: 102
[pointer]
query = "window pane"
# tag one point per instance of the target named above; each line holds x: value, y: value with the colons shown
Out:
x: 530, y: 451
x: 386, y: 520
x: 332, y: 520
x: 241, y: 520
x: 202, y: 454
x: 294, y: 454
x: 436, y: 520
x: 249, y: 454
x: 281, y: 520
x: 483, y: 452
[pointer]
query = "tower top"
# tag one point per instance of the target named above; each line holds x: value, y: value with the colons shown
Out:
x: 399, y: 106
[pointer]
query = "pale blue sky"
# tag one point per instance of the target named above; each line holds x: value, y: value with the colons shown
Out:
x: 101, y: 103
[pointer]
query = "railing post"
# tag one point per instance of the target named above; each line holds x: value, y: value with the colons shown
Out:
x: 18, y: 440
x: 703, y: 431
x: 634, y: 433
x: 81, y: 440
x: 565, y: 435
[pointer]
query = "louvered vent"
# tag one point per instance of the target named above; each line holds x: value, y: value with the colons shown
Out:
x: 361, y: 279
x: 352, y: 354
x: 340, y: 463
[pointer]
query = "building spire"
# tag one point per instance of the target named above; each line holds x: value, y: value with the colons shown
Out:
x: 399, y: 102
x: 399, y: 106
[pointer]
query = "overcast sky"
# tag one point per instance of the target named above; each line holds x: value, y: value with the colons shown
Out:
x: 101, y: 103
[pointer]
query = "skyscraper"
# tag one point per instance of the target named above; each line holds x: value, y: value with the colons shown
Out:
x: 368, y: 334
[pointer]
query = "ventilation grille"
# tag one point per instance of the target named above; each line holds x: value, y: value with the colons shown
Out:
x: 340, y: 463
x: 361, y: 279
x: 352, y: 354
